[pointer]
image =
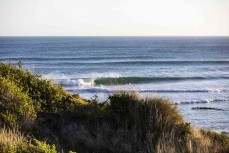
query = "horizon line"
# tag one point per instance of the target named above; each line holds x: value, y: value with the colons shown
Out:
x: 114, y: 35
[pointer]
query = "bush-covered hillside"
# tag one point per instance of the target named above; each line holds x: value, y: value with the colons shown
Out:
x: 38, y: 116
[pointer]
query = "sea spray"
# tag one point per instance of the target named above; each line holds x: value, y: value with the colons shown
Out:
x: 78, y: 82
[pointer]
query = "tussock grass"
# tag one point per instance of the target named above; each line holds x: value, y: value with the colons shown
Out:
x: 16, y: 107
x: 12, y: 141
x: 216, y: 142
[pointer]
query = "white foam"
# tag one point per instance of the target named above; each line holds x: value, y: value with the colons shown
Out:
x: 78, y: 82
x: 69, y: 82
x: 200, y: 101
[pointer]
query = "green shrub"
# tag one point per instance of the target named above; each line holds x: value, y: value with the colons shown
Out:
x: 37, y: 146
x: 52, y: 98
x: 16, y: 107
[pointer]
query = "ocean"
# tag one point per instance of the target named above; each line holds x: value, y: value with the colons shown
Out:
x: 193, y: 72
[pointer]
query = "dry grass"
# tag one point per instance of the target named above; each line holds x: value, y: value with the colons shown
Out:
x: 10, y: 140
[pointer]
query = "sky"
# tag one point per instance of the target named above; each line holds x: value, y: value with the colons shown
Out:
x: 114, y: 17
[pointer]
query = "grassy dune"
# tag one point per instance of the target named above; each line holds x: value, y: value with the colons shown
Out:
x: 38, y: 116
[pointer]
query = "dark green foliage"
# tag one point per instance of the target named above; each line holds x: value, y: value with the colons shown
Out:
x: 183, y: 131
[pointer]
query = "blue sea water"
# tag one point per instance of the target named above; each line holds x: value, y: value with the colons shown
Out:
x: 190, y: 71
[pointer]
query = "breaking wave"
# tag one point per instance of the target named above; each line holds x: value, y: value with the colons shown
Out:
x: 136, y: 80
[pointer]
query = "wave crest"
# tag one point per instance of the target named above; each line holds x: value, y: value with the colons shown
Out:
x: 136, y: 80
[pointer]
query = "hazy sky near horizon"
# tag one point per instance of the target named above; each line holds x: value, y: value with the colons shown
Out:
x: 114, y: 17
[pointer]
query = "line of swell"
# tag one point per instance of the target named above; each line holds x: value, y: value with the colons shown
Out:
x: 136, y: 80
x: 72, y: 61
x: 104, y: 90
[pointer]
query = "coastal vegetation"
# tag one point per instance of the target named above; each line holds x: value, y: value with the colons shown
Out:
x: 39, y: 116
